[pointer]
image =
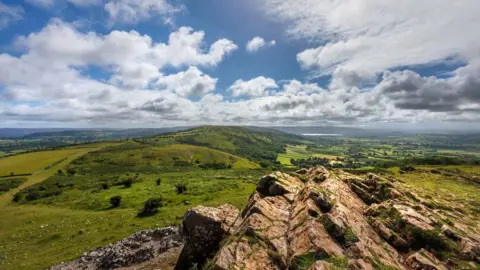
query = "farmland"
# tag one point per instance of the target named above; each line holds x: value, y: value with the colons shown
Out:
x: 63, y: 208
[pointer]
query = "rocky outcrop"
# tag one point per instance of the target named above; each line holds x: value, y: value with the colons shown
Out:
x: 140, y: 247
x: 317, y: 219
x: 204, y: 228
x: 423, y: 260
x: 313, y: 219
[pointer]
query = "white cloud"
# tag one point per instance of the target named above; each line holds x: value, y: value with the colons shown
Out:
x: 134, y: 11
x: 253, y: 88
x: 50, y: 3
x: 366, y: 37
x: 257, y: 43
x: 190, y: 83
x: 134, y: 59
x: 9, y: 14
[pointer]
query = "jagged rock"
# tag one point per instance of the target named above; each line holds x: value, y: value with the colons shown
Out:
x: 450, y: 233
x: 203, y: 229
x: 412, y: 217
x: 278, y: 184
x: 423, y: 260
x: 321, y: 265
x: 470, y: 250
x: 140, y: 247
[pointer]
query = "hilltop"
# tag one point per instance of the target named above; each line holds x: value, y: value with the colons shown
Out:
x: 312, y: 219
x: 254, y: 143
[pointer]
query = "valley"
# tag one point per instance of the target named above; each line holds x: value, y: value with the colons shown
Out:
x: 57, y: 204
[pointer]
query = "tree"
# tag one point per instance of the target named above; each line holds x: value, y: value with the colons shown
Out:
x: 151, y: 207
x: 115, y: 201
x: 127, y: 183
x: 181, y: 188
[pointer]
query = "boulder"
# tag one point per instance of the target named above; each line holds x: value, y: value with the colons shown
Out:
x: 203, y: 229
x: 450, y: 233
x: 140, y: 247
x: 321, y: 265
x: 423, y: 260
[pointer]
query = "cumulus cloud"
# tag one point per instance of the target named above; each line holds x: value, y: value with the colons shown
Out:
x: 253, y: 88
x: 189, y: 83
x: 134, y: 11
x: 257, y: 43
x: 9, y: 14
x: 366, y: 37
x: 134, y: 59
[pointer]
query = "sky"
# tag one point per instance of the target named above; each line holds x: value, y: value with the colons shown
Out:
x: 157, y: 63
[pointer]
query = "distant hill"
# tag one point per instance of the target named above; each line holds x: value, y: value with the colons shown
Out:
x: 251, y: 142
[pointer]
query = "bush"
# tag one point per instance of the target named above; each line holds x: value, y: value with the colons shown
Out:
x: 181, y: 188
x: 151, y: 207
x: 105, y: 186
x: 115, y: 201
x: 127, y: 183
x: 158, y: 181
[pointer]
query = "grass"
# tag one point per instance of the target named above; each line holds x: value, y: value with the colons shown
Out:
x: 31, y: 162
x: 300, y: 152
x: 39, y: 233
x: 7, y: 184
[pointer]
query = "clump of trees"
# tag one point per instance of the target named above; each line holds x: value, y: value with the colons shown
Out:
x: 180, y: 188
x: 151, y: 206
x: 115, y: 201
x: 310, y: 162
x: 216, y: 166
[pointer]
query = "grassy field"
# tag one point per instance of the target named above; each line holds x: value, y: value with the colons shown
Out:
x: 300, y: 152
x: 31, y: 162
x: 77, y: 216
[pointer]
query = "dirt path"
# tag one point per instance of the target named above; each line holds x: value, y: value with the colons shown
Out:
x: 42, y: 175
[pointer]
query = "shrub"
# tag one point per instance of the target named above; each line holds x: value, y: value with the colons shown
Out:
x: 127, y: 183
x: 151, y: 207
x: 158, y: 181
x: 17, y: 197
x: 181, y: 188
x: 115, y: 201
x: 105, y: 186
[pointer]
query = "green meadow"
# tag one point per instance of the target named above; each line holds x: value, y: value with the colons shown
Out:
x: 63, y: 209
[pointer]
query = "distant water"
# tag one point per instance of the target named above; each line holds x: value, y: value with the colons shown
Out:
x: 321, y: 134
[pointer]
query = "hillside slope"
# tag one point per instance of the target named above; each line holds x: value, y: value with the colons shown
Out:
x: 316, y: 219
x: 255, y: 144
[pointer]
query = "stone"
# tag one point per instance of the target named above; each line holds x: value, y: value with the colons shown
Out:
x: 450, y: 233
x: 140, y: 247
x: 321, y: 265
x: 424, y: 260
x: 203, y: 229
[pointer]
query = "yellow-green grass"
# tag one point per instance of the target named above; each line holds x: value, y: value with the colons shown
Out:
x: 132, y: 156
x: 31, y: 162
x: 41, y: 175
x: 442, y: 187
x: 458, y: 152
x: 38, y: 236
x: 465, y: 168
x: 44, y: 232
x: 300, y: 152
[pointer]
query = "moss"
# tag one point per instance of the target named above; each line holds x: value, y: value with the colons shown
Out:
x: 339, y: 263
x: 305, y: 261
x: 276, y: 257
x: 349, y: 237
x: 426, y: 239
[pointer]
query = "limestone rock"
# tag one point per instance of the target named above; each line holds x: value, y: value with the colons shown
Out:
x: 140, y: 247
x: 203, y: 229
x: 423, y: 260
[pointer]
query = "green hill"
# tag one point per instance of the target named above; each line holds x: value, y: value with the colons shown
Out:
x: 256, y: 144
x: 136, y: 157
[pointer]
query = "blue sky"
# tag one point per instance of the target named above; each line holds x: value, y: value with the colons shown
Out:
x: 109, y: 63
